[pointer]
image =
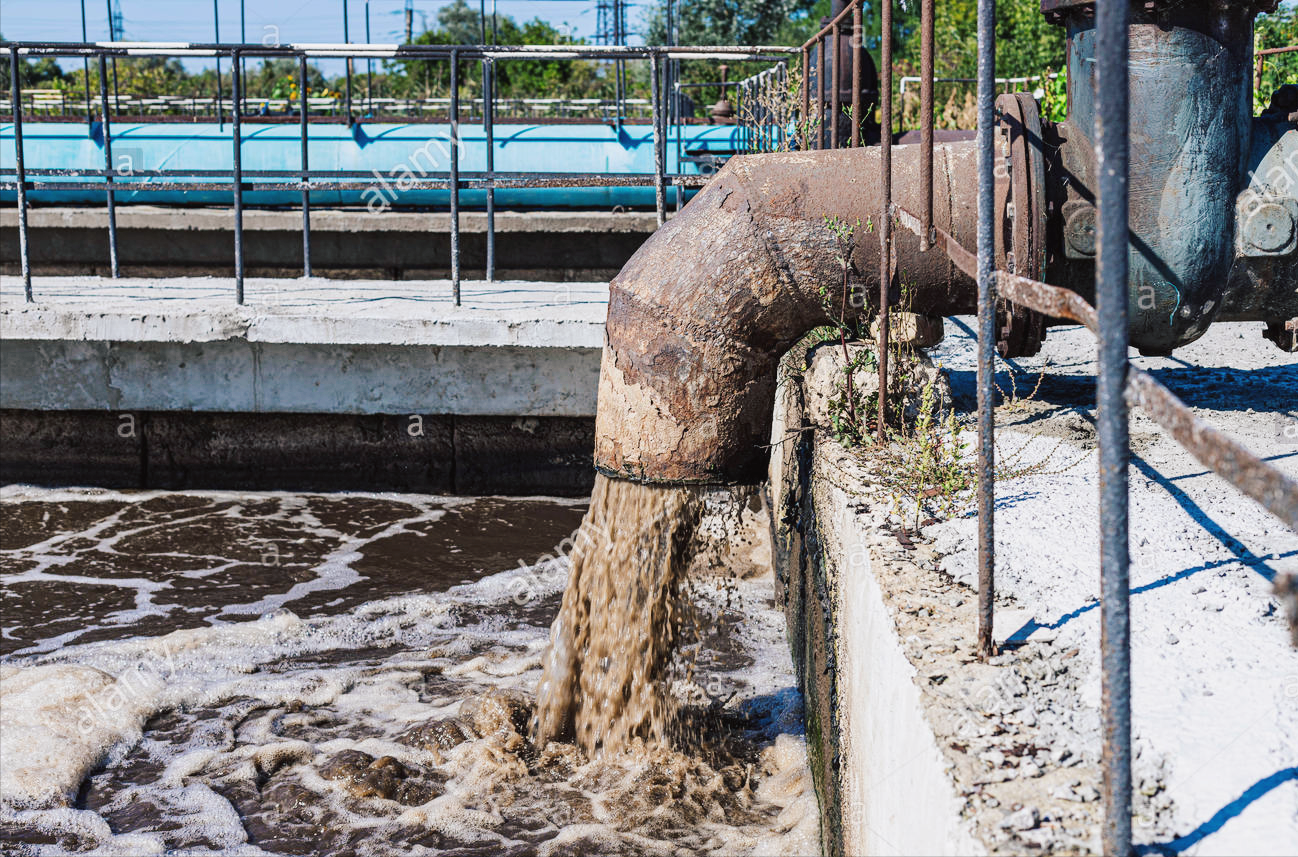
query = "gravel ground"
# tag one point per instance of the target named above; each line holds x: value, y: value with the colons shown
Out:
x: 1215, y: 678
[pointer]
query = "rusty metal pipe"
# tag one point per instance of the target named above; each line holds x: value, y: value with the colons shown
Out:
x: 700, y: 315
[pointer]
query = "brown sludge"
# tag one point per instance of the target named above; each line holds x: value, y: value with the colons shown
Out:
x: 605, y: 670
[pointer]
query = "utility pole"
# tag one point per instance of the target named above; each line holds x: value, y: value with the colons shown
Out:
x: 410, y: 21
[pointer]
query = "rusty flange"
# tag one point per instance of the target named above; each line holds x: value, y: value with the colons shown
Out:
x: 1021, y: 199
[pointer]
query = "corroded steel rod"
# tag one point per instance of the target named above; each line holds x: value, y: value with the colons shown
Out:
x: 885, y: 214
x: 857, y: 48
x: 926, y: 118
x: 106, y: 126
x: 15, y: 87
x: 836, y: 82
x: 1112, y: 155
x: 986, y: 325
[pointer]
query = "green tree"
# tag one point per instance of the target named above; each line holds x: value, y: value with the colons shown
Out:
x: 1279, y: 29
x: 42, y: 73
x: 460, y: 24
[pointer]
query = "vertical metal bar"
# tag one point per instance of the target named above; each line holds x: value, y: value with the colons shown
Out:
x: 858, y: 48
x: 243, y: 64
x: 21, y: 170
x: 885, y: 216
x: 455, y: 175
x: 660, y: 154
x: 986, y: 323
x: 347, y: 39
x: 106, y: 125
x: 216, y: 25
x: 926, y: 122
x: 306, y: 193
x: 237, y: 177
x: 806, y: 99
x: 1112, y: 152
x: 836, y: 81
x: 488, y: 123
x: 369, y: 68
x: 820, y: 93
x: 86, y: 63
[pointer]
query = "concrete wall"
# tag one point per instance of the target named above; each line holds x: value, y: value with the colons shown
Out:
x: 171, y: 242
x: 319, y: 452
x: 366, y: 386
x: 880, y: 776
x: 236, y: 375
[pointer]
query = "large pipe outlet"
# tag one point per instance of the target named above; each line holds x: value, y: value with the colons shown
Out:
x: 698, y: 318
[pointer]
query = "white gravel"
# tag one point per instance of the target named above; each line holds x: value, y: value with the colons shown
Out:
x: 1215, y: 678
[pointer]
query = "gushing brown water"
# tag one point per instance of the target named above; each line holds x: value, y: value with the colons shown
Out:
x: 604, y: 673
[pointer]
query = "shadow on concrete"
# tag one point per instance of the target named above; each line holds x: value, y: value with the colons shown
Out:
x: 1231, y: 810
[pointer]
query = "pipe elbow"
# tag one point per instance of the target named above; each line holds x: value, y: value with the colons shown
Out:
x: 702, y: 313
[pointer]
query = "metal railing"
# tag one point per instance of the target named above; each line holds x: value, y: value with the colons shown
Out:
x: 1119, y: 384
x: 765, y: 112
x: 239, y: 181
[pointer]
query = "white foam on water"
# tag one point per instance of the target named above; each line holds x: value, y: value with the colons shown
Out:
x: 285, y: 694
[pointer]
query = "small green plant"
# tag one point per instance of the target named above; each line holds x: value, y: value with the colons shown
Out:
x: 843, y: 233
x: 923, y: 468
x: 1054, y: 101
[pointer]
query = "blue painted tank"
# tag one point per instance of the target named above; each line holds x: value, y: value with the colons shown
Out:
x: 391, y: 154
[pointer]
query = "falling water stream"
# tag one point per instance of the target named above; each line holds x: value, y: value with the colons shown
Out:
x: 232, y: 673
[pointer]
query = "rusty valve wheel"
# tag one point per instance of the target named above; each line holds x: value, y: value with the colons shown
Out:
x: 1021, y: 204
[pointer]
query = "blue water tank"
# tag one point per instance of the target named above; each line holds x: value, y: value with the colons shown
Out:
x: 390, y: 154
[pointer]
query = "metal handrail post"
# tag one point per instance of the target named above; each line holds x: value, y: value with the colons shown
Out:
x: 306, y: 179
x: 986, y: 325
x: 488, y: 124
x: 885, y: 215
x: 455, y: 175
x: 23, y: 252
x: 1112, y: 156
x: 106, y: 127
x: 237, y: 142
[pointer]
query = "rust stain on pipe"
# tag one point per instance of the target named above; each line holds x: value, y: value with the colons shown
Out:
x: 700, y: 315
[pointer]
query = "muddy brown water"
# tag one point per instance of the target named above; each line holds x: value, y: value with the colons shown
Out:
x: 352, y: 674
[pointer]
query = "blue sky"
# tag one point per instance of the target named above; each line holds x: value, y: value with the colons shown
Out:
x: 295, y: 20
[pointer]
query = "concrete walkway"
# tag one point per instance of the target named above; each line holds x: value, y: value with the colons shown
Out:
x: 403, y: 312
x: 302, y: 346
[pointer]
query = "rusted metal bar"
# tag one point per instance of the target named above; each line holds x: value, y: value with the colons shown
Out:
x: 836, y: 82
x: 1261, y: 61
x: 1112, y: 154
x: 488, y: 127
x: 806, y: 100
x: 435, y: 181
x: 858, y: 46
x: 1214, y: 449
x: 964, y: 260
x: 306, y: 179
x: 926, y: 120
x: 455, y: 176
x: 236, y: 177
x: 660, y: 149
x: 885, y: 214
x: 16, y: 95
x: 820, y: 94
x: 837, y: 20
x: 986, y: 326
x: 106, y: 126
